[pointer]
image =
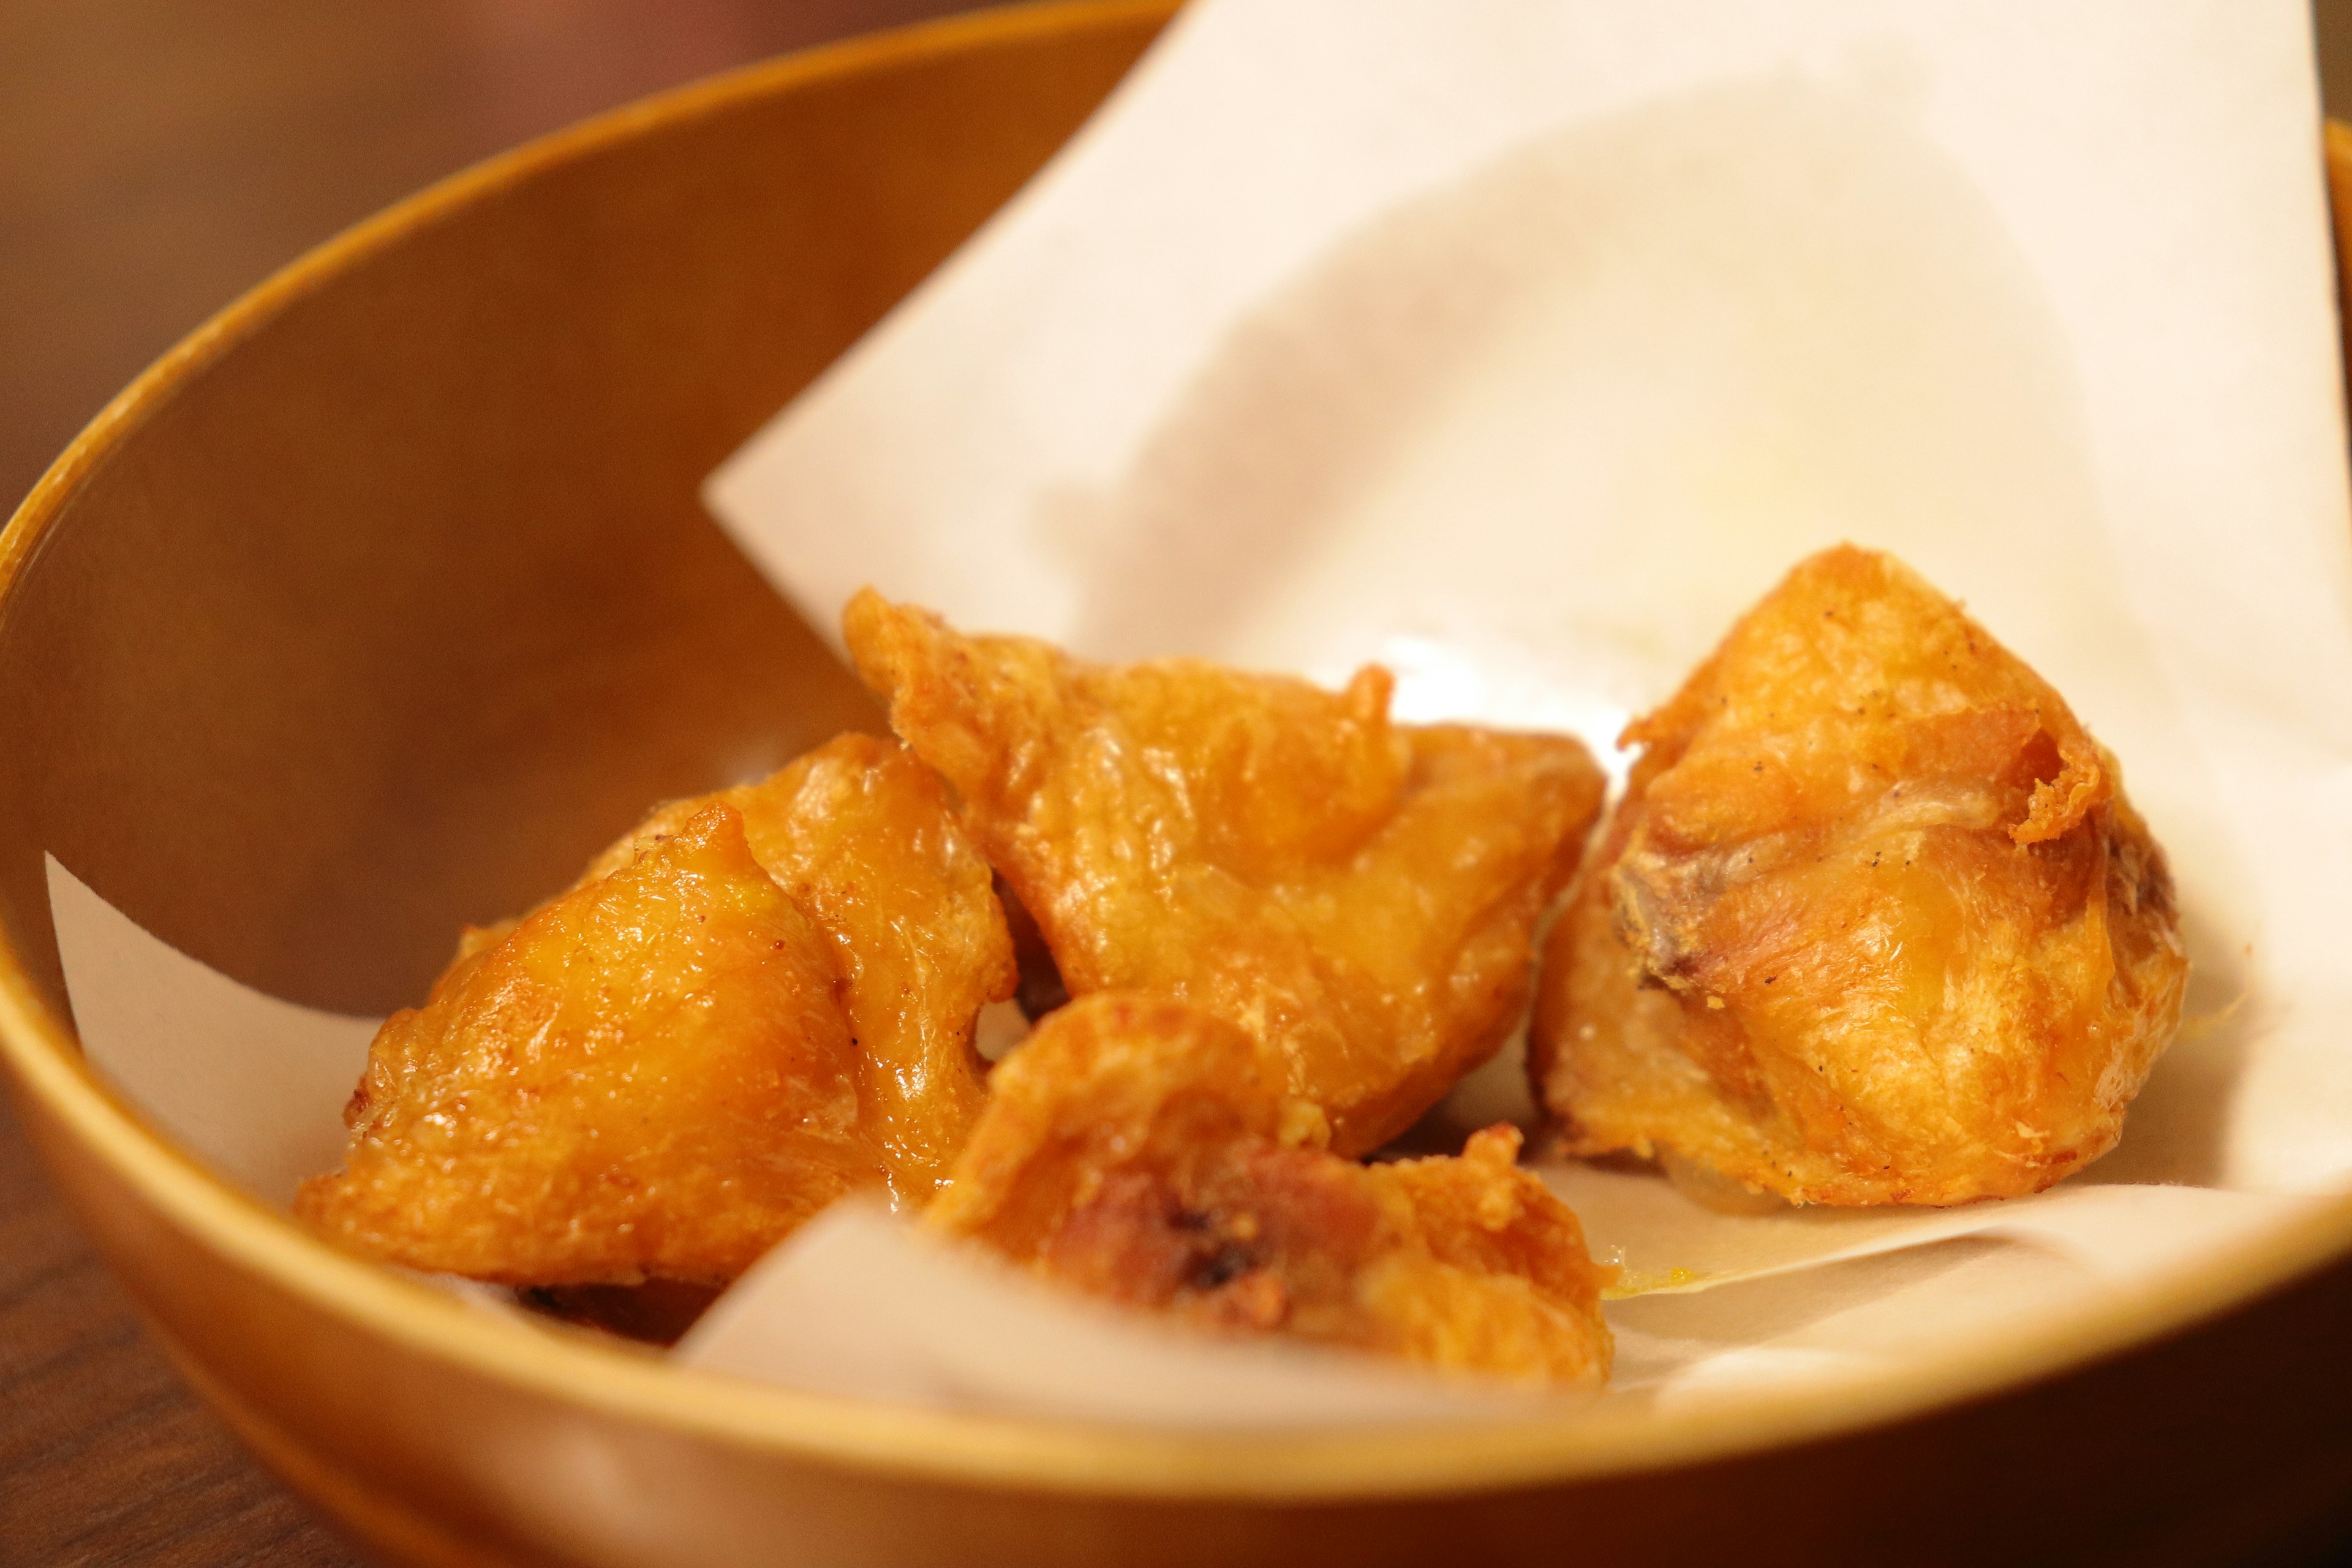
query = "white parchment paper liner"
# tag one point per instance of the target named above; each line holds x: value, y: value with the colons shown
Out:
x: 1520, y: 344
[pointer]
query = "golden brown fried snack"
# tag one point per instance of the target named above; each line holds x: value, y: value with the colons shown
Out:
x: 1873, y: 923
x: 648, y: 1077
x: 1146, y: 1151
x: 714, y: 1035
x: 862, y: 838
x: 1358, y: 894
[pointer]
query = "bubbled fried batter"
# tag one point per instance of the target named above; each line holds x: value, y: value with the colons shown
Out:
x: 1149, y: 1152
x: 760, y: 1001
x: 1874, y: 922
x: 861, y: 836
x: 1360, y: 895
x: 649, y: 1076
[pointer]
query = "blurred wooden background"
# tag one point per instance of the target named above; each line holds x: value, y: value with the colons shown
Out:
x: 157, y: 157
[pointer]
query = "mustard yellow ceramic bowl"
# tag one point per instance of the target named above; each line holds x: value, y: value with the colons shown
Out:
x: 383, y: 599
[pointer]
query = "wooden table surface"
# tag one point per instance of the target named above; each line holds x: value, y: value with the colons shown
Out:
x: 156, y: 158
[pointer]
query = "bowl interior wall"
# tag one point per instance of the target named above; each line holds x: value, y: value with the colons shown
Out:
x: 392, y: 610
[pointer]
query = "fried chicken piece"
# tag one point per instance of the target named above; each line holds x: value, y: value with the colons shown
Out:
x: 863, y: 837
x: 759, y: 1001
x: 1146, y: 1151
x: 1360, y: 895
x: 648, y: 1077
x: 1874, y: 924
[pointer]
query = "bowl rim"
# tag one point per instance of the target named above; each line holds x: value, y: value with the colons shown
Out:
x: 1551, y: 1445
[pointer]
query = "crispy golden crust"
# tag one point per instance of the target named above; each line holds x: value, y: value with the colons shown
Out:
x: 649, y: 1076
x: 863, y: 838
x: 1149, y: 1152
x: 1873, y: 923
x: 756, y: 1002
x: 1358, y: 894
